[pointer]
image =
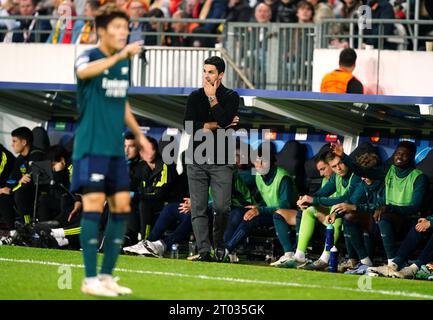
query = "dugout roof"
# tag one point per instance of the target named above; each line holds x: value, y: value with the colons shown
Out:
x: 337, y: 113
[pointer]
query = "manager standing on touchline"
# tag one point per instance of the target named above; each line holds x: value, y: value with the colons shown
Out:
x: 213, y: 107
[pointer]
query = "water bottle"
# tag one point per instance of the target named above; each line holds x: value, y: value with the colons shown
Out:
x: 329, y: 243
x: 333, y: 262
x: 191, y: 245
x: 174, y: 251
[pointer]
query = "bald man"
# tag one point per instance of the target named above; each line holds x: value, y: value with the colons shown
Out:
x: 263, y: 13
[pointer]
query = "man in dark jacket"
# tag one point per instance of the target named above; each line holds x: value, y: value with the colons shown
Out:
x: 19, y: 189
x: 380, y: 9
x: 34, y: 30
x: 209, y: 111
x: 238, y: 11
x: 7, y: 160
x: 152, y: 179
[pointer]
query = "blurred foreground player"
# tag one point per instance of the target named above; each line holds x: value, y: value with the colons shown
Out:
x: 100, y: 169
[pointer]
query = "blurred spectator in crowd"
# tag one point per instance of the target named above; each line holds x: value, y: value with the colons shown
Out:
x: 162, y: 5
x: 380, y: 9
x: 120, y: 4
x: 179, y: 27
x: 262, y: 13
x: 336, y: 6
x: 136, y: 9
x: 62, y: 32
x: 211, y: 9
x: 8, y: 8
x: 153, y: 26
x: 399, y: 10
x: 31, y: 30
x: 48, y: 7
x: 274, y: 8
x: 429, y: 7
x: 349, y: 10
x: 205, y: 9
x: 238, y: 11
x: 174, y: 6
x: 286, y: 12
x: 85, y: 31
x: 188, y: 7
x: 202, y: 42
x: 80, y: 7
x: 305, y: 12
x: 321, y: 10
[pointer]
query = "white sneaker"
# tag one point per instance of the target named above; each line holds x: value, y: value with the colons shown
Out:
x: 155, y: 249
x: 407, y: 272
x: 233, y: 257
x: 58, y: 233
x: 62, y: 241
x: 138, y: 248
x: 387, y: 270
x: 111, y: 284
x: 282, y: 259
x: 94, y: 287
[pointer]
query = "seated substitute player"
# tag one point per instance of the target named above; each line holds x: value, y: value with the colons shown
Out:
x: 421, y: 231
x: 19, y: 191
x: 60, y: 207
x: 278, y: 206
x: 359, y: 228
x: 133, y: 158
x: 338, y: 189
x: 405, y: 187
x: 7, y: 161
x: 100, y: 168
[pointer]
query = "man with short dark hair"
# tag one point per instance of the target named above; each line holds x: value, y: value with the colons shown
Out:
x: 133, y: 159
x: 19, y: 188
x: 211, y: 109
x: 342, y: 80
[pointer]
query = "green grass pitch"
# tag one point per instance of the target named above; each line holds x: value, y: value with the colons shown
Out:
x: 30, y: 273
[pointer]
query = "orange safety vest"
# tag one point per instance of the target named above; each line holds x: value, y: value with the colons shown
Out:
x: 336, y: 81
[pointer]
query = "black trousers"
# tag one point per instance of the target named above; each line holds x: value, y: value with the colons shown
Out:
x: 52, y: 207
x: 24, y: 199
x: 7, y: 212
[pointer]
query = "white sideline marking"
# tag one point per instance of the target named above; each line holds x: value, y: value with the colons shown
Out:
x: 226, y: 279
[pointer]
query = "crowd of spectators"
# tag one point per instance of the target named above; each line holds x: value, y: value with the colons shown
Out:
x: 81, y: 30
